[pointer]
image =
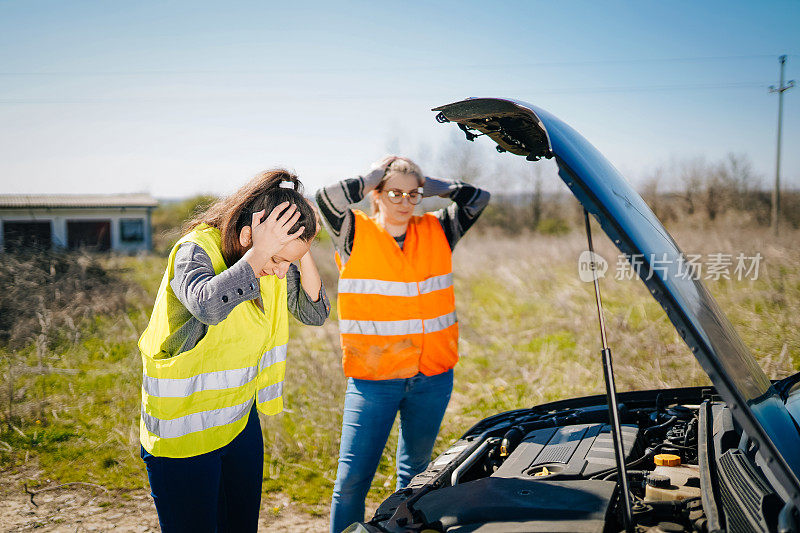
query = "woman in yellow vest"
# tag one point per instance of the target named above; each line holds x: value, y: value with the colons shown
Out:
x: 397, y: 318
x: 215, y: 350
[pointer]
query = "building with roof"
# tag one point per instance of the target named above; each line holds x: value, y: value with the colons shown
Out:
x: 97, y: 222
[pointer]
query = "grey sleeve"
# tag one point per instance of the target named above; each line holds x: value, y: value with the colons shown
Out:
x: 468, y: 203
x: 210, y: 297
x: 307, y: 311
x: 334, y: 203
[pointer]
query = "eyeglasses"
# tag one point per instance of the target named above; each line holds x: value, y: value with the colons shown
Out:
x: 396, y: 196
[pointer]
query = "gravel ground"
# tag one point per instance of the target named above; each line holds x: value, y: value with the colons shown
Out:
x: 76, y: 508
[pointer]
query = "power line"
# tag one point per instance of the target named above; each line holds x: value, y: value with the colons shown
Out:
x: 239, y: 96
x: 643, y: 88
x: 393, y: 67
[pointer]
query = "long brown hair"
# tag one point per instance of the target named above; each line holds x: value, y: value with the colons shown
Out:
x: 232, y: 213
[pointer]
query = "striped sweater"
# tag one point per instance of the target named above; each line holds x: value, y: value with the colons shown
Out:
x: 335, y: 200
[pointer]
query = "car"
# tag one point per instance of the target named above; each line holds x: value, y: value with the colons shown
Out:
x: 717, y: 458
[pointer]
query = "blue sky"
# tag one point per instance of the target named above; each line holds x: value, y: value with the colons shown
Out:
x: 176, y: 98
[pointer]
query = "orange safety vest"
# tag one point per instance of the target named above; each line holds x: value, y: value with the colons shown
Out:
x: 397, y: 313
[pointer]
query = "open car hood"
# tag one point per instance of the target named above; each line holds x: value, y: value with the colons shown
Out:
x: 526, y: 130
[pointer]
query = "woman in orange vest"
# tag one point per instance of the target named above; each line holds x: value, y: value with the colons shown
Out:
x: 397, y: 318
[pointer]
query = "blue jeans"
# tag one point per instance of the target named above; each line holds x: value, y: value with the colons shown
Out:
x: 218, y: 491
x: 370, y: 408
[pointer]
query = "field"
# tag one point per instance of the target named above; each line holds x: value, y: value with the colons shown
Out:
x: 529, y: 335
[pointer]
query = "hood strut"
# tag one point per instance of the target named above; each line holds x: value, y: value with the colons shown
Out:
x: 611, y: 391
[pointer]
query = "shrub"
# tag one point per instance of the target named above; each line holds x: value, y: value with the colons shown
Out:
x: 44, y: 292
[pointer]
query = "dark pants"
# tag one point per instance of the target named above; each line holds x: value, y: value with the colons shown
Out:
x: 218, y: 491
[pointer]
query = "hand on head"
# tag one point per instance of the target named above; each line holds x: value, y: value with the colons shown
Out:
x: 270, y: 235
x: 384, y: 162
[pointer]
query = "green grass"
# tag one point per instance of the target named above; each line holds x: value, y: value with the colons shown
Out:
x: 529, y: 335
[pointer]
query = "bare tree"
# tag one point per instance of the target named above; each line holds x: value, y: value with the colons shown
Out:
x: 536, y: 201
x: 461, y: 160
x: 650, y: 192
x: 741, y: 179
x: 693, y: 174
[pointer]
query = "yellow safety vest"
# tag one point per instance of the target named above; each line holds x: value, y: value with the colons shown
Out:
x: 199, y: 400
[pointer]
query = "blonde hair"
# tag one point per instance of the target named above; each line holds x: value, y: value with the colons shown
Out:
x: 401, y: 165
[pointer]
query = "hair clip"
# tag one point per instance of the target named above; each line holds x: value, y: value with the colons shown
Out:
x: 286, y: 185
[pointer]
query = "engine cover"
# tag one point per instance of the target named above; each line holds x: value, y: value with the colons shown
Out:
x: 499, y: 505
x: 569, y: 451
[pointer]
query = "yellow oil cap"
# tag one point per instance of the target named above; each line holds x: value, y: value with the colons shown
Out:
x: 667, y: 459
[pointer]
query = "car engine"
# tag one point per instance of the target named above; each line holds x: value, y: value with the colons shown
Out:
x: 554, y: 469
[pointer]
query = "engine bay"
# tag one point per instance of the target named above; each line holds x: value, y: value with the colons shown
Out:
x: 689, y: 469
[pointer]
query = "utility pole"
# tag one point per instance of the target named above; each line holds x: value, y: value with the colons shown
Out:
x: 776, y: 193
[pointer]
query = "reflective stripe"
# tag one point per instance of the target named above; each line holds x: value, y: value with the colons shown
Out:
x: 377, y: 286
x: 394, y: 288
x: 436, y: 283
x: 270, y: 357
x: 381, y: 327
x: 180, y: 388
x: 178, y: 427
x: 270, y: 392
x: 440, y: 322
x: 221, y: 379
x: 397, y: 327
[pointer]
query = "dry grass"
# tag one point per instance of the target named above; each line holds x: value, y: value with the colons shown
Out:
x: 529, y: 334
